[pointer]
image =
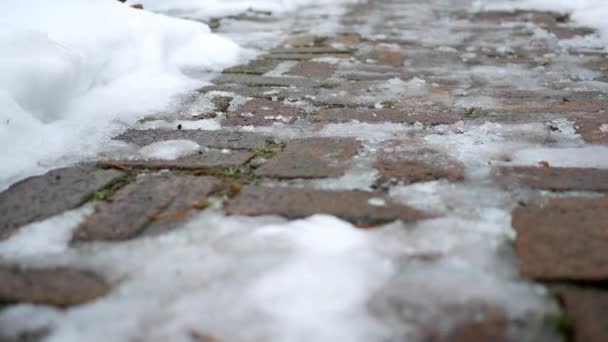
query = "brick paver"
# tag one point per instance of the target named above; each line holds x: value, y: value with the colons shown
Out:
x: 400, y: 93
x: 53, y: 286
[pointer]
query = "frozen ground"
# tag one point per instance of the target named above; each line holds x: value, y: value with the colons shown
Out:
x: 222, y: 277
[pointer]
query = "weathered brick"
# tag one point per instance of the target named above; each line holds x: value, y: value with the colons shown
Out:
x: 593, y: 130
x: 255, y: 67
x: 389, y: 54
x: 152, y: 202
x: 384, y: 115
x: 311, y: 158
x: 313, y: 69
x: 40, y: 197
x: 587, y: 309
x: 202, y: 160
x: 397, y: 163
x: 54, y: 286
x: 563, y: 239
x: 267, y: 81
x: 553, y: 178
x: 353, y: 206
x: 263, y: 112
x: 213, y: 139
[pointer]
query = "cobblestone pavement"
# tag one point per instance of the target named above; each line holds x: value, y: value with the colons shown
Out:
x: 458, y: 125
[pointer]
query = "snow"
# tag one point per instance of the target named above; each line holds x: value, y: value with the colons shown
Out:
x: 72, y: 73
x: 309, y: 279
x: 206, y: 9
x: 169, y: 149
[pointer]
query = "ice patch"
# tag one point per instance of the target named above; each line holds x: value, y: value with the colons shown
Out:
x: 50, y: 236
x: 169, y: 150
x: 586, y: 156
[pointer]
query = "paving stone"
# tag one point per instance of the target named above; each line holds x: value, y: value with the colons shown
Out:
x: 55, y: 286
x: 567, y: 32
x: 269, y: 93
x: 409, y: 320
x: 593, y: 130
x: 314, y: 50
x: 588, y: 310
x: 263, y: 112
x: 537, y: 17
x: 345, y: 39
x: 398, y: 163
x: 353, y: 206
x: 335, y: 115
x: 529, y: 102
x: 264, y: 81
x: 553, y: 178
x: 313, y: 69
x: 40, y: 197
x: 213, y: 139
x: 304, y: 40
x: 311, y: 158
x: 202, y: 160
x: 255, y: 67
x: 563, y: 239
x: 389, y: 54
x: 152, y: 202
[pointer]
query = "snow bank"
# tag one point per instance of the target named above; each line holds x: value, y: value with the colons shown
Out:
x: 205, y: 9
x: 73, y: 72
x: 591, y: 13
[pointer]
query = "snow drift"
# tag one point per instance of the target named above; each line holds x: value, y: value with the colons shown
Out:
x: 72, y: 72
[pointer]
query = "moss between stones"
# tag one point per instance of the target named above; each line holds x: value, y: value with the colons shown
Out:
x: 104, y: 193
x: 268, y: 151
x: 562, y: 324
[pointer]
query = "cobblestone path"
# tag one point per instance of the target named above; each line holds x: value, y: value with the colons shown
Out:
x: 470, y: 147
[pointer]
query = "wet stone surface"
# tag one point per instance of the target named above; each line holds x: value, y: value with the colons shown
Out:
x: 267, y: 81
x: 337, y: 115
x: 587, y: 309
x: 313, y: 69
x: 292, y: 203
x: 213, y: 139
x: 563, y: 239
x: 593, y: 130
x: 399, y: 164
x: 203, y: 160
x: 553, y: 178
x: 263, y: 112
x: 151, y: 203
x: 311, y: 158
x: 61, y: 287
x: 39, y: 197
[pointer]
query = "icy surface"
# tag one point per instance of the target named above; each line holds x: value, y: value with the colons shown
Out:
x: 169, y: 150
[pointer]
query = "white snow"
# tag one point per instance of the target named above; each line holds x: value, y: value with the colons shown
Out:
x: 205, y: 9
x: 169, y: 149
x: 72, y: 73
x: 305, y: 280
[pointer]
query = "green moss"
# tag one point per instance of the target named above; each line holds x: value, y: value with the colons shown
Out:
x: 562, y: 324
x: 106, y: 192
x: 389, y: 103
x: 472, y: 111
x: 268, y: 151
